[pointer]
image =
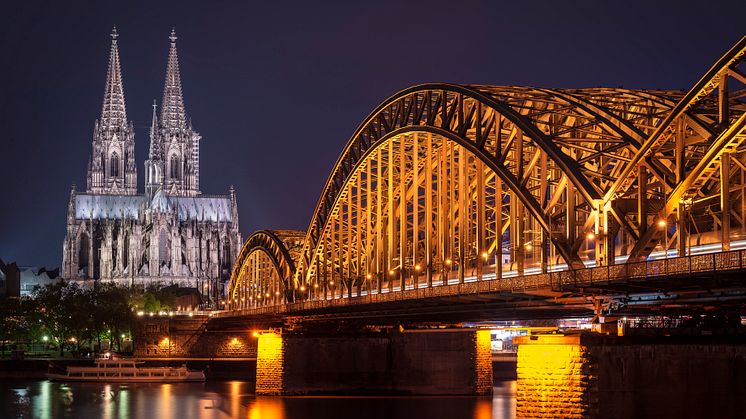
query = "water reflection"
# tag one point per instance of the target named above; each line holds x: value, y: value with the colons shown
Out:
x: 44, y: 399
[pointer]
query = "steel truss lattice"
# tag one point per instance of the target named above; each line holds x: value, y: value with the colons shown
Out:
x: 449, y: 183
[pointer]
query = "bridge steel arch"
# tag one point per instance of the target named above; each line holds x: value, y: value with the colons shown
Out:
x: 689, y: 171
x: 447, y: 183
x: 263, y: 271
x: 549, y: 153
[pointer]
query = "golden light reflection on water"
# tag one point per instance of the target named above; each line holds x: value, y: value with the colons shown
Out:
x: 165, y: 405
x: 235, y: 398
x: 483, y: 409
x: 106, y: 400
x: 266, y: 408
x: 232, y: 399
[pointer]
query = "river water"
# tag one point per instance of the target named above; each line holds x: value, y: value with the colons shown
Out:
x: 229, y: 399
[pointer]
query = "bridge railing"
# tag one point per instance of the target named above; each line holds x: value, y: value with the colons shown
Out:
x: 557, y: 281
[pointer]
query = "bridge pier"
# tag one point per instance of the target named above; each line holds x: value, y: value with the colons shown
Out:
x: 446, y: 361
x: 590, y: 375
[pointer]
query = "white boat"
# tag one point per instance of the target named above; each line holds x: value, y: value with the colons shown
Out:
x: 127, y: 371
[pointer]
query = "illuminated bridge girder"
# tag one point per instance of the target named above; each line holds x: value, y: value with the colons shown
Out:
x: 454, y: 183
x: 262, y: 274
x: 688, y: 176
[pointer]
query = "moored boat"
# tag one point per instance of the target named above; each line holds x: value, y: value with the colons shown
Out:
x: 127, y: 371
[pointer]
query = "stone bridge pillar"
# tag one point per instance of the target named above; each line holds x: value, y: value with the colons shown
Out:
x: 554, y: 377
x: 454, y: 361
x: 594, y: 376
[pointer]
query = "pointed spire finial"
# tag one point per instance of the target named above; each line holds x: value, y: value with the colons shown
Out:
x: 173, y: 115
x: 113, y: 112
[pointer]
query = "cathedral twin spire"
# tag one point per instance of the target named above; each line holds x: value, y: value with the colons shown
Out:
x: 173, y: 157
x: 114, y: 112
x: 173, y: 115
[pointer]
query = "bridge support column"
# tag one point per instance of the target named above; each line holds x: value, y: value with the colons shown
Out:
x: 599, y: 376
x: 410, y: 362
x: 553, y: 377
x: 270, y: 364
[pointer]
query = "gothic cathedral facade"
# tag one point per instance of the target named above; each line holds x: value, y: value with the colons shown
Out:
x: 171, y: 233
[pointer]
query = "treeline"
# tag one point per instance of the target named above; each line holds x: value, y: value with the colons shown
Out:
x: 69, y: 317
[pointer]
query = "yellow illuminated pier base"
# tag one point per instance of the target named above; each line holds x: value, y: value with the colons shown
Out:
x: 443, y: 361
x: 554, y: 379
x: 270, y: 361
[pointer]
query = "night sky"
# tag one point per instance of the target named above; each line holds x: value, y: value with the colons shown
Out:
x: 276, y: 88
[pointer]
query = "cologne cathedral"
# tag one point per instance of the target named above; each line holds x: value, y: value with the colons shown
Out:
x: 171, y: 233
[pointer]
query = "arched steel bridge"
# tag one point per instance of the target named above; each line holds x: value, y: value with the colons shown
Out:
x: 506, y: 188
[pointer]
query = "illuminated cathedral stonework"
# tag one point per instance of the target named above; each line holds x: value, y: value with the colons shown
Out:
x: 172, y: 233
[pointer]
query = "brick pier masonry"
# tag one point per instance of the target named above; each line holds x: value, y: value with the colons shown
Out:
x: 594, y: 376
x: 434, y: 361
x: 454, y: 362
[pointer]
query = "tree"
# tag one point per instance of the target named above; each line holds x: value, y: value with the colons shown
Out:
x: 64, y: 312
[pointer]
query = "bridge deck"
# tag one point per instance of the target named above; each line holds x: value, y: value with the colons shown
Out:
x: 697, y: 277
